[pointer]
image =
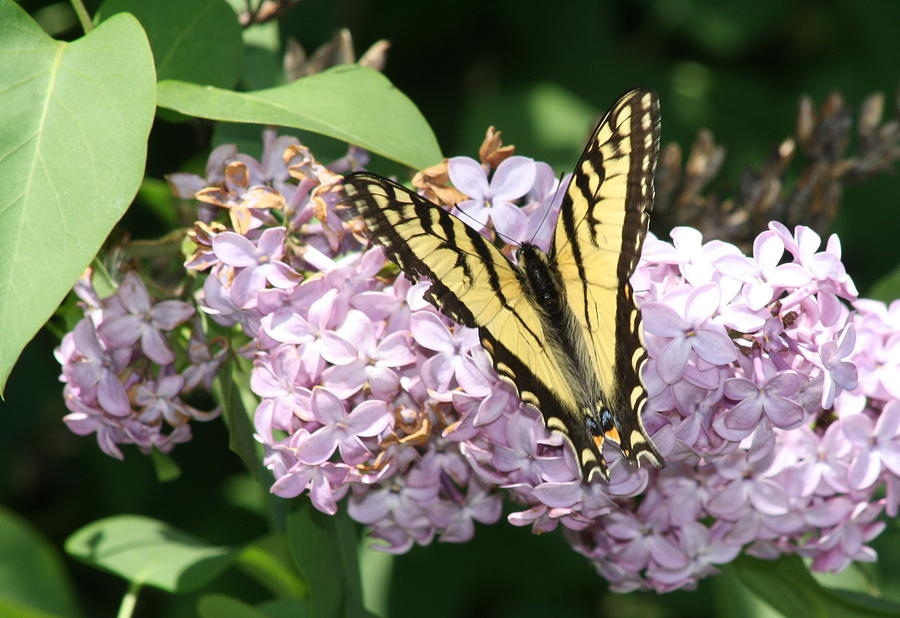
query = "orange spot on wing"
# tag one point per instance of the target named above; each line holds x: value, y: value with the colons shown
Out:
x: 613, y: 434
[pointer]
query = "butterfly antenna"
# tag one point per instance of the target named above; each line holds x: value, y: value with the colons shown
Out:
x: 549, y: 207
x: 474, y: 223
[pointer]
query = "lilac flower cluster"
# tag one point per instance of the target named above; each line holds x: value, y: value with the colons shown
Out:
x: 775, y: 405
x: 119, y: 369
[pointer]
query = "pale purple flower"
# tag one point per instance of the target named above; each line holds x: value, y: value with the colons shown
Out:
x: 341, y: 430
x: 695, y: 260
x: 763, y: 275
x: 315, y: 334
x: 877, y: 445
x: 691, y: 333
x: 259, y: 263
x: 839, y: 375
x: 92, y: 367
x: 772, y: 400
x: 449, y: 362
x: 493, y: 201
x: 457, y: 521
x: 144, y: 320
x: 376, y: 361
x: 366, y: 390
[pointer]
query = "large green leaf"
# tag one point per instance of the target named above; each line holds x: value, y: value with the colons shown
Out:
x: 788, y: 587
x: 73, y: 141
x: 148, y: 552
x: 325, y: 549
x: 351, y: 103
x: 192, y: 40
x: 32, y: 578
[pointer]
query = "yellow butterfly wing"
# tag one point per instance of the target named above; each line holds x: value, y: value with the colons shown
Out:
x: 597, y: 244
x: 471, y: 283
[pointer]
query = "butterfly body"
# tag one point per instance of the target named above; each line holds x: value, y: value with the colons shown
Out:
x: 562, y: 327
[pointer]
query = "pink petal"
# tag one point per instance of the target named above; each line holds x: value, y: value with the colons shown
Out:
x: 134, y: 295
x: 345, y: 380
x: 394, y: 350
x: 384, y: 382
x: 509, y: 220
x: 280, y: 275
x: 558, y: 495
x: 758, y: 295
x: 512, y: 179
x: 170, y: 313
x: 660, y: 319
x: 369, y: 418
x: 701, y: 303
x: 767, y: 250
x: 666, y: 554
x: 846, y: 342
x: 769, y: 498
x: 673, y: 362
x: 789, y: 276
x: 319, y: 446
x: 271, y: 242
x: 714, y: 346
x: 744, y: 416
x: 738, y: 267
x: 327, y: 407
x: 111, y: 395
x: 740, y: 388
x: 436, y: 373
x: 337, y: 350
x: 784, y: 384
x: 287, y: 327
x: 864, y: 470
x: 155, y: 346
x: 246, y: 285
x: 234, y: 249
x: 121, y: 331
x: 888, y: 424
x: 430, y: 332
x: 858, y: 428
x: 784, y: 413
x: 468, y: 176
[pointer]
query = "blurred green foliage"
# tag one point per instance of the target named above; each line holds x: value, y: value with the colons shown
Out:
x: 539, y: 72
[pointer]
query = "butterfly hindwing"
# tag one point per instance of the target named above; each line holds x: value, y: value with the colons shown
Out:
x: 597, y: 245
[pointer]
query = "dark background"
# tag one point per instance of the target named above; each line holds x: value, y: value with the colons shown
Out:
x: 529, y: 68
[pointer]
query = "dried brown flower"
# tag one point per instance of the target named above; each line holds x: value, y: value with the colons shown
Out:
x: 829, y: 158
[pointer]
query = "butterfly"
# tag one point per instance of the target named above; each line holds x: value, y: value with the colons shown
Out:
x: 562, y: 327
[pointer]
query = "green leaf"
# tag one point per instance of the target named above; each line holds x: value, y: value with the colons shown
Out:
x: 166, y: 468
x: 296, y: 608
x: 33, y: 581
x: 227, y: 391
x: 268, y: 561
x: 354, y: 104
x: 263, y: 65
x: 887, y: 288
x: 788, y: 587
x: 192, y: 40
x: 148, y: 552
x: 221, y: 606
x: 73, y: 141
x: 325, y: 549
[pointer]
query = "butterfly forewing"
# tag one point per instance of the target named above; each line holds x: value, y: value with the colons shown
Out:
x: 471, y: 282
x: 597, y: 245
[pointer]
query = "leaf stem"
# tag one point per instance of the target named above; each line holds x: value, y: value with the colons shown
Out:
x: 129, y: 601
x: 83, y: 17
